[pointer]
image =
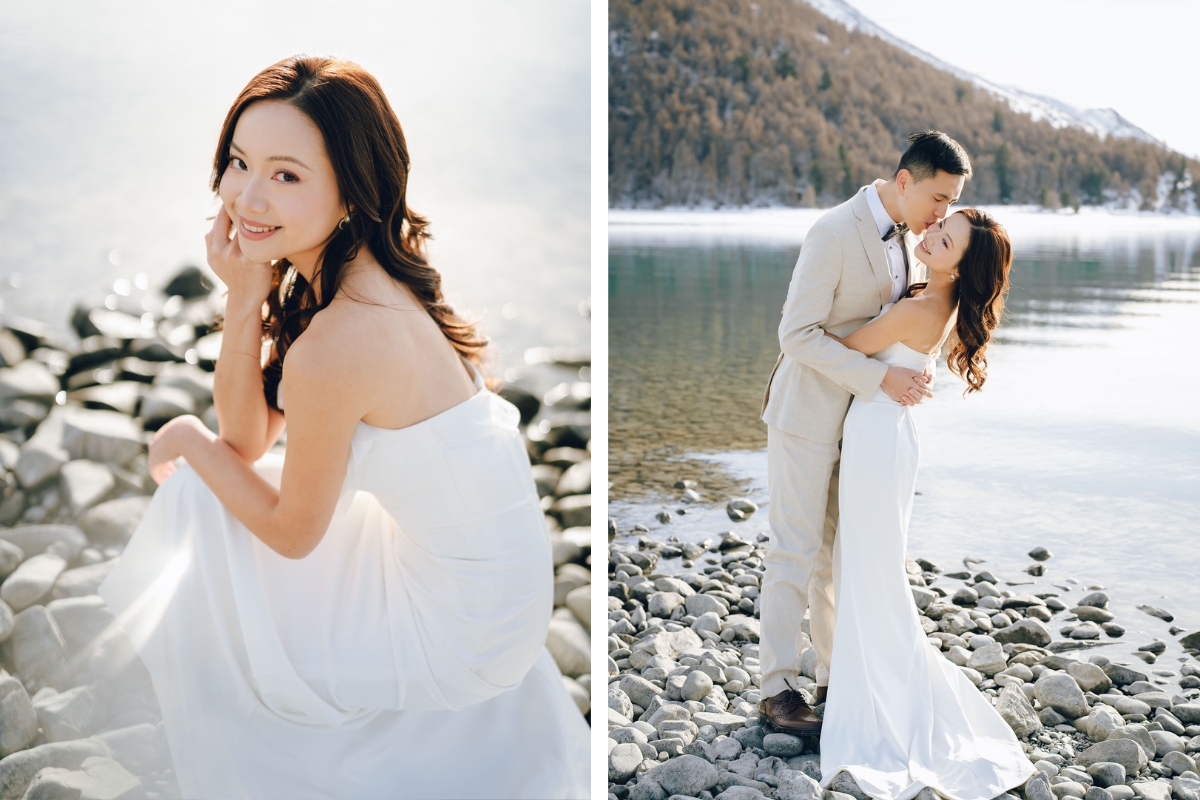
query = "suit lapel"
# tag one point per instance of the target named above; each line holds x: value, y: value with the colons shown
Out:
x: 869, y: 234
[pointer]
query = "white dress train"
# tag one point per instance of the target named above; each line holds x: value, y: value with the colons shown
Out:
x: 899, y: 716
x: 403, y: 657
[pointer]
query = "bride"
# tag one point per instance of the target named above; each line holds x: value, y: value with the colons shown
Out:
x: 899, y: 717
x: 365, y: 617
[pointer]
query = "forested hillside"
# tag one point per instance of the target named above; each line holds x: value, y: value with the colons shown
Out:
x: 731, y: 102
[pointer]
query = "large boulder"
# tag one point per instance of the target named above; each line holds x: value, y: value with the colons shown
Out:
x: 1126, y: 752
x: 19, y: 769
x: 1014, y: 708
x: 98, y: 778
x: 1060, y: 692
x: 114, y: 521
x: 685, y: 775
x: 1024, y: 631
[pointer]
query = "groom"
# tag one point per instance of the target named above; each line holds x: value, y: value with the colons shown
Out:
x: 856, y: 258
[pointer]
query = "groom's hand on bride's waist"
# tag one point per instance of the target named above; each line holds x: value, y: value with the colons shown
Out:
x: 906, y: 386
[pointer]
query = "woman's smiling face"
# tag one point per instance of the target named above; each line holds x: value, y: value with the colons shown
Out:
x: 279, y: 187
x: 944, y: 244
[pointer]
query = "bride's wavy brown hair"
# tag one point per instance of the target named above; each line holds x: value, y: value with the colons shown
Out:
x: 366, y: 146
x: 982, y: 285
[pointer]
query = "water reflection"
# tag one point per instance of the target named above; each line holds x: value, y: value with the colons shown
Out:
x: 693, y: 335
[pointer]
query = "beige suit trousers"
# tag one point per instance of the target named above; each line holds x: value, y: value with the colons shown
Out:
x: 802, y: 480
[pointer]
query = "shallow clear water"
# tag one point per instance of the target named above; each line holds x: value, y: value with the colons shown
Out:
x: 109, y: 114
x: 1085, y: 439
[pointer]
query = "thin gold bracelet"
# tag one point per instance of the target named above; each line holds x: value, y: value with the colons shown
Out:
x: 257, y: 358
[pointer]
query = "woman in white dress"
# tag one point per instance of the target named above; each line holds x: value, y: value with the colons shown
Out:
x: 365, y: 617
x: 899, y: 717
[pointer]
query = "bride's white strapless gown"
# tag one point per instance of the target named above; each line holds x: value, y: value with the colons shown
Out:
x: 403, y: 657
x: 899, y: 716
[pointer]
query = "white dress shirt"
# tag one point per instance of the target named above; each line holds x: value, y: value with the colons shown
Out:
x: 894, y: 247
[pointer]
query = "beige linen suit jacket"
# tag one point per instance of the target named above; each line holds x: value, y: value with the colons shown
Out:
x: 840, y: 282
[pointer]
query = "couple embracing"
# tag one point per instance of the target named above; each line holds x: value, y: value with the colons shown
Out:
x: 860, y: 337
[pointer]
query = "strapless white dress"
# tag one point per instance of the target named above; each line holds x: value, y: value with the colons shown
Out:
x: 899, y: 716
x: 403, y: 657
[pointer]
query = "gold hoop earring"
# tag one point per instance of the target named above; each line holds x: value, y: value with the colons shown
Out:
x: 343, y: 221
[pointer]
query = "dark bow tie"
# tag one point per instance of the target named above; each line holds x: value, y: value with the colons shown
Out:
x: 897, y: 230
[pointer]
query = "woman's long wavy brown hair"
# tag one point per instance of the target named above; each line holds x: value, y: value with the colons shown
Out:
x: 366, y: 146
x: 982, y: 285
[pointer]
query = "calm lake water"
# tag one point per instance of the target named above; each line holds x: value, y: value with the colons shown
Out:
x: 1085, y: 439
x: 109, y: 114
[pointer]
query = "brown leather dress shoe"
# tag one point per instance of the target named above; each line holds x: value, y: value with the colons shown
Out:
x: 788, y: 712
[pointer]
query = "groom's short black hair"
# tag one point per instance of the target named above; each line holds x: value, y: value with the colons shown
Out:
x: 932, y: 151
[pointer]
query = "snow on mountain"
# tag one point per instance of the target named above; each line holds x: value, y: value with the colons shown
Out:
x: 1101, y: 122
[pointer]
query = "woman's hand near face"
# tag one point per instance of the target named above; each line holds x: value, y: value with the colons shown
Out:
x: 248, y: 282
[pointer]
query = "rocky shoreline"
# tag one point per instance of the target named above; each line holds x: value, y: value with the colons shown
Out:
x: 78, y: 715
x: 684, y: 676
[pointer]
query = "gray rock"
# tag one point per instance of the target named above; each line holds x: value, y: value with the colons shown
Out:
x: 1186, y: 787
x: 1151, y: 790
x: 796, y: 785
x: 1137, y: 733
x: 19, y: 769
x: 30, y: 380
x: 697, y: 686
x: 1038, y: 787
x: 1178, y: 762
x: 684, y: 775
x: 164, y: 403
x: 1107, y: 773
x: 70, y: 715
x: 106, y: 436
x: 783, y: 745
x: 40, y: 460
x: 579, y: 601
x: 1126, y: 705
x: 619, y: 701
x: 1024, y: 631
x: 32, y: 581
x: 114, y: 521
x: 1122, y: 675
x: 722, y: 722
x: 1089, y: 677
x: 922, y: 596
x: 18, y: 720
x: 34, y: 539
x: 1187, y: 713
x: 38, y: 650
x: 737, y: 792
x: 192, y: 379
x: 663, y: 604
x: 82, y: 581
x: 1014, y: 708
x: 1092, y: 614
x: 567, y: 642
x: 573, y: 510
x: 1097, y: 793
x: 988, y: 660
x: 640, y: 690
x: 11, y: 557
x: 1040, y: 554
x: 623, y: 762
x: 1126, y: 752
x: 700, y: 604
x: 1101, y: 722
x: 844, y: 782
x: 99, y: 778
x: 646, y: 789
x: 1062, y: 693
x: 85, y: 483
x: 627, y: 735
x: 1167, y: 742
